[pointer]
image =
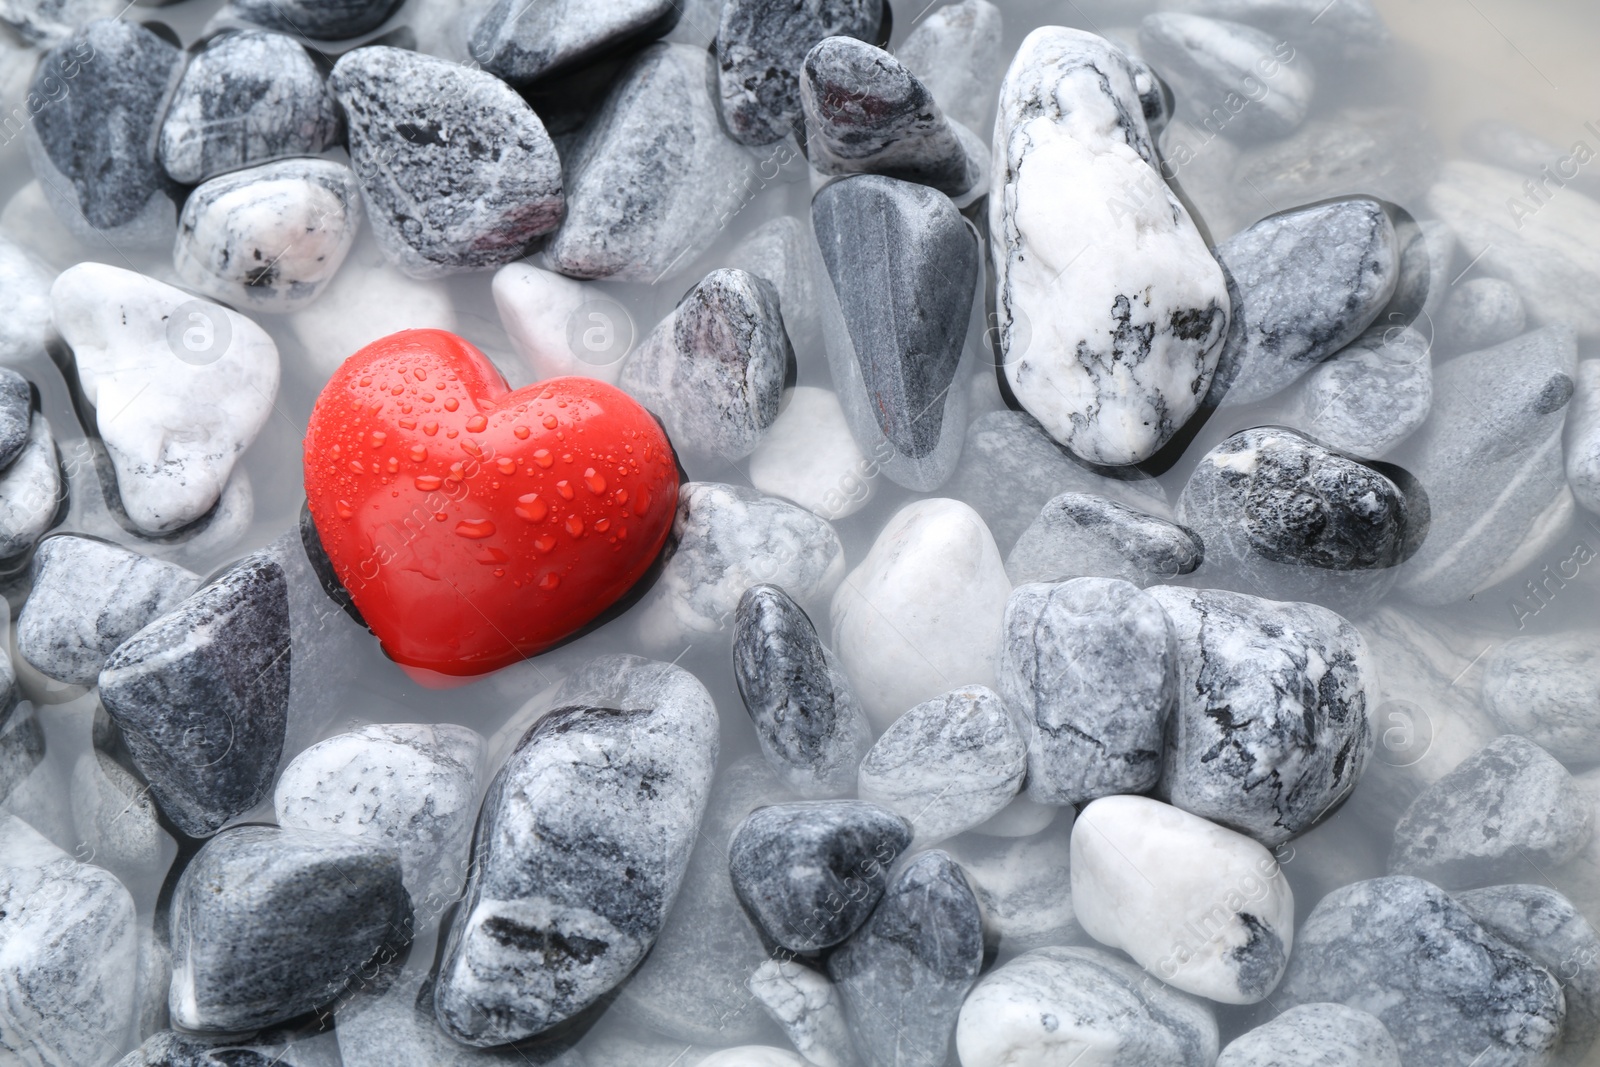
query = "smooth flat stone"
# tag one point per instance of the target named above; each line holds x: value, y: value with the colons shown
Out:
x: 1061, y: 1004
x: 31, y: 491
x: 25, y: 307
x: 94, y: 153
x: 269, y: 923
x: 713, y: 370
x: 1108, y: 342
x: 1583, y: 436
x: 1079, y: 535
x: 335, y: 21
x: 549, y: 925
x: 523, y: 43
x: 760, y: 47
x: 656, y: 142
x: 1351, y: 30
x: 201, y: 696
x: 1480, y: 312
x: 903, y: 975
x: 1023, y: 884
x: 1490, y: 460
x: 454, y: 145
x: 115, y: 817
x: 1328, y: 1035
x: 1205, y: 60
x: 1369, y: 396
x: 1089, y: 668
x: 808, y: 724
x: 1447, y: 989
x: 947, y: 764
x: 562, y: 326
x: 809, y: 456
x: 809, y: 1009
x: 1147, y: 879
x: 922, y: 611
x: 246, y: 98
x: 1543, y: 688
x: 956, y: 52
x: 1271, y: 730
x: 903, y: 268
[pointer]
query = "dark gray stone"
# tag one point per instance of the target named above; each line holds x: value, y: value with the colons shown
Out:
x: 581, y: 847
x: 761, y: 45
x: 1479, y: 312
x: 1349, y: 29
x: 1283, y: 517
x: 201, y: 696
x: 88, y: 597
x: 326, y: 20
x: 1544, y: 689
x: 94, y: 149
x: 1271, y: 731
x: 713, y: 370
x: 1545, y: 925
x: 1508, y: 810
x: 454, y: 144
x: 1450, y: 992
x: 1304, y: 284
x: 1207, y: 61
x: 16, y: 412
x: 808, y: 724
x: 1369, y: 396
x: 810, y: 873
x: 904, y: 974
x: 867, y: 114
x: 1089, y: 667
x: 246, y: 98
x: 524, y: 42
x: 1326, y: 1035
x: 903, y: 265
x: 1081, y: 535
x: 168, y: 1048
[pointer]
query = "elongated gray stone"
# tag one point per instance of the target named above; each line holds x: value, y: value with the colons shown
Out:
x: 713, y: 370
x: 1544, y: 689
x: 1368, y: 397
x: 1329, y: 1035
x: 903, y: 975
x: 1271, y: 730
x: 320, y: 19
x: 549, y: 923
x: 1081, y: 535
x: 270, y: 923
x: 1109, y: 343
x: 903, y: 265
x: 1205, y: 60
x: 246, y: 98
x: 808, y: 723
x: 809, y: 1009
x: 1351, y: 29
x: 955, y: 50
x: 457, y: 170
x: 201, y: 696
x: 524, y: 43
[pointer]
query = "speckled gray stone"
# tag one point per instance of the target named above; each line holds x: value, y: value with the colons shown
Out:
x: 94, y: 149
x: 1506, y: 811
x: 713, y: 370
x: 31, y: 491
x: 808, y: 723
x: 955, y: 50
x: 326, y: 20
x: 88, y: 597
x: 867, y: 114
x: 115, y: 818
x: 1448, y: 990
x: 1065, y: 1003
x: 47, y: 22
x: 25, y: 325
x: 201, y: 696
x: 169, y: 1048
x: 1545, y: 925
x: 1547, y: 689
x: 21, y: 745
x: 16, y: 413
x: 523, y: 43
x: 269, y: 923
x: 549, y: 923
x: 1271, y: 731
x: 454, y: 145
x: 1022, y: 883
x: 811, y: 872
x: 1368, y: 397
x: 1304, y: 284
x: 1208, y: 60
x: 246, y: 98
x: 903, y: 975
x: 1089, y: 667
x: 1350, y: 29
x: 656, y: 177
x: 1315, y: 1035
x: 269, y: 237
x: 809, y: 1009
x: 1082, y: 535
x: 1490, y: 460
x: 903, y: 267
x: 947, y: 764
x: 760, y: 47
x: 1477, y: 313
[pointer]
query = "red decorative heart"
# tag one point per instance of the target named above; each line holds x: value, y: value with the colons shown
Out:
x: 475, y: 526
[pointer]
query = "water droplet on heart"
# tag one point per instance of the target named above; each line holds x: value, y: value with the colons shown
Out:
x: 457, y: 472
x: 397, y: 390
x: 430, y: 428
x: 471, y: 448
x: 451, y: 403
x: 565, y: 489
x: 475, y: 529
x: 543, y: 458
x: 574, y: 526
x: 405, y: 409
x: 476, y: 424
x: 408, y: 424
x: 522, y: 432
x: 392, y: 465
x: 506, y: 464
x: 420, y: 375
x: 641, y: 503
x: 344, y: 510
x: 550, y: 581
x: 622, y: 496
x: 602, y: 525
x: 491, y: 556
x: 550, y: 422
x: 366, y: 380
x: 418, y: 453
x: 428, y: 482
x: 547, y: 394
x: 378, y: 438
x: 499, y: 572
x: 356, y: 467
x: 439, y: 516
x: 544, y: 543
x: 427, y: 398
x: 594, y: 480
x: 530, y: 507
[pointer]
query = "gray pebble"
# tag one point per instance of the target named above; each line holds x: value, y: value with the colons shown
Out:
x: 811, y: 872
x: 25, y: 325
x: 22, y: 744
x: 904, y: 974
x: 269, y: 923
x: 1208, y: 60
x: 1315, y: 1035
x: 1350, y: 29
x: 246, y: 98
x: 549, y: 923
x: 116, y: 820
x: 1448, y: 990
x: 169, y: 1048
x: 31, y: 491
x: 808, y: 724
x: 16, y: 414
x: 1548, y: 690
x: 1368, y: 397
x: 955, y: 51
x: 809, y: 1009
x: 1271, y: 731
x: 1082, y: 535
x: 1089, y: 667
x: 455, y: 146
x: 1583, y: 436
x: 778, y: 250
x: 948, y: 764
x: 201, y: 696
x: 48, y: 22
x: 1506, y: 810
x: 713, y: 370
x: 325, y: 20
x: 524, y: 43
x: 1477, y: 313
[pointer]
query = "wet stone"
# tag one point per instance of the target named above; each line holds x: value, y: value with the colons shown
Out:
x: 808, y: 1008
x: 1368, y: 397
x: 1207, y: 60
x: 1479, y: 312
x: 31, y: 491
x: 320, y: 19
x: 524, y: 43
x: 1544, y: 688
x: 1081, y: 535
x: 1328, y: 1035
